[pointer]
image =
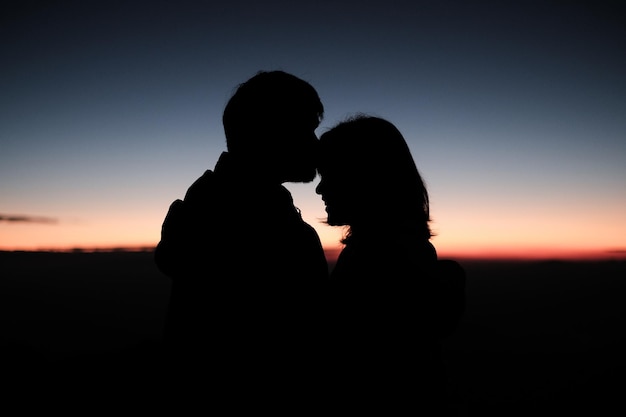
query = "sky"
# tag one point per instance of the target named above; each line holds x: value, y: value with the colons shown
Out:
x: 515, y: 113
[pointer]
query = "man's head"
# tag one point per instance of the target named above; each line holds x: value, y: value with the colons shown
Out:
x: 271, y: 119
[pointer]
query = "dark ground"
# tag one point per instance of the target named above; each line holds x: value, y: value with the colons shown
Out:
x: 537, y: 338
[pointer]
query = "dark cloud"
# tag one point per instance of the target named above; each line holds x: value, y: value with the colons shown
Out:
x: 16, y: 218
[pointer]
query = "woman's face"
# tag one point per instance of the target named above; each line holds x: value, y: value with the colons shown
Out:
x: 338, y: 191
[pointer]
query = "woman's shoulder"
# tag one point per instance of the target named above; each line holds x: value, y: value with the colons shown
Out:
x: 387, y: 258
x: 415, y: 252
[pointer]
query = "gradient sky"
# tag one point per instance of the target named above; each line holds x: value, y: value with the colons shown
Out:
x: 515, y: 112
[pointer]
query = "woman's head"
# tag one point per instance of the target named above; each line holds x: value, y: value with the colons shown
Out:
x: 369, y: 180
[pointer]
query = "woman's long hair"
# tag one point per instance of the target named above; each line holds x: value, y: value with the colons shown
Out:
x: 395, y: 199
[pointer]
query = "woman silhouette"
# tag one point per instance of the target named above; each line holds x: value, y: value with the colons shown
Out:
x: 387, y: 310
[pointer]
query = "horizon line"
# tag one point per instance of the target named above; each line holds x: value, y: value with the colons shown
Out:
x: 333, y: 251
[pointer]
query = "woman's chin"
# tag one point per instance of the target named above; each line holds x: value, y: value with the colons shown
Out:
x: 334, y: 221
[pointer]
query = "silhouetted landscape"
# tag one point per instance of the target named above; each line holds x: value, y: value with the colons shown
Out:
x: 542, y: 336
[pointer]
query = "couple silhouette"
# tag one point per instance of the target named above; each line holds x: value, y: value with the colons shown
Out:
x: 255, y: 317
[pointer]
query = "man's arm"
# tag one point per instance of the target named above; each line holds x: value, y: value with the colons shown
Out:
x: 171, y: 253
x: 176, y: 255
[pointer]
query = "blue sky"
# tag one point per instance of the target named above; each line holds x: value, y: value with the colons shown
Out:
x: 515, y: 111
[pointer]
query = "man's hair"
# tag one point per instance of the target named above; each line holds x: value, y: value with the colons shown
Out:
x: 265, y: 102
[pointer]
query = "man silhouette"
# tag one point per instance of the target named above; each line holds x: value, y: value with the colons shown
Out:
x: 246, y: 270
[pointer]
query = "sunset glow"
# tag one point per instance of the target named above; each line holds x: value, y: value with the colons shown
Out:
x: 144, y: 235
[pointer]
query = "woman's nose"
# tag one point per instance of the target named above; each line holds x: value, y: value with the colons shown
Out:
x: 318, y: 188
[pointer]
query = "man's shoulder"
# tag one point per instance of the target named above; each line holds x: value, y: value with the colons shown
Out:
x: 200, y: 186
x: 206, y: 178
